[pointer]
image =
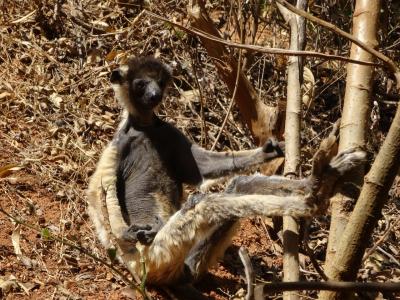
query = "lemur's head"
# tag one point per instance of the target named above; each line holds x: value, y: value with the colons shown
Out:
x: 139, y: 85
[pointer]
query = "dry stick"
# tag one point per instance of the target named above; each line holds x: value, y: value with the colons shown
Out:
x: 261, y: 49
x: 390, y: 256
x: 291, y: 270
x: 233, y: 94
x: 380, y: 241
x: 264, y: 289
x: 230, y: 103
x: 314, y: 262
x: 248, y: 271
x: 67, y: 242
x: 203, y: 140
x: 388, y: 62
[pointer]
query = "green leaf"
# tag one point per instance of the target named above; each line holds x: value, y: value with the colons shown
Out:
x: 45, y: 233
x: 112, y: 254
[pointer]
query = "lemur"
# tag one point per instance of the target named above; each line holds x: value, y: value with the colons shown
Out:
x: 140, y: 175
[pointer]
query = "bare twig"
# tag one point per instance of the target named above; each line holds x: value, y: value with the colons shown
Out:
x: 248, y: 270
x: 380, y: 241
x: 291, y: 270
x: 260, y: 49
x: 390, y: 256
x: 265, y: 289
x: 203, y: 140
x: 230, y: 103
x: 314, y: 262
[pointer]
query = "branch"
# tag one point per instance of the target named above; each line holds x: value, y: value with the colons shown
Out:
x: 388, y: 62
x: 260, y: 49
x: 264, y: 289
x: 249, y: 272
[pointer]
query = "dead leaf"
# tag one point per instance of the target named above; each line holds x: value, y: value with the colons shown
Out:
x: 308, y: 87
x: 129, y: 293
x: 5, y: 95
x: 56, y: 100
x: 8, y: 283
x: 15, y: 238
x: 187, y: 97
x: 111, y: 55
x: 8, y: 169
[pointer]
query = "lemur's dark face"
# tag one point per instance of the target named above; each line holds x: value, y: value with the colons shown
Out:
x: 141, y: 83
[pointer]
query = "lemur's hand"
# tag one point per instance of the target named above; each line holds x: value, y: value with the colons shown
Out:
x: 145, y: 234
x: 272, y: 148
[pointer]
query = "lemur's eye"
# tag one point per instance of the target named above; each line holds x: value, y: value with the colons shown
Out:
x: 140, y: 84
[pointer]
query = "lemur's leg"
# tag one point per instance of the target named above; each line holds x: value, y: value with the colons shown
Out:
x: 216, y: 164
x: 197, y: 221
x: 209, y: 251
x: 202, y: 215
x: 268, y: 185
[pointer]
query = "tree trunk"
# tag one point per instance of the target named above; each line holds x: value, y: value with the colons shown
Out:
x: 354, y: 121
x: 367, y: 211
x: 292, y: 144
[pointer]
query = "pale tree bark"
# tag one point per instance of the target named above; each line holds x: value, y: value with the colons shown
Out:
x: 355, y: 109
x: 354, y: 120
x: 292, y: 144
x: 367, y: 211
x: 260, y: 118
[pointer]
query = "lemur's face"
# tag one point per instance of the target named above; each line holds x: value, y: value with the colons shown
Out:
x: 141, y: 83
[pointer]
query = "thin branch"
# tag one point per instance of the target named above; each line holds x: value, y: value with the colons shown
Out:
x: 230, y: 102
x: 309, y: 251
x: 274, y: 287
x: 249, y: 272
x: 388, y: 62
x: 261, y: 49
x: 314, y: 262
x: 380, y: 241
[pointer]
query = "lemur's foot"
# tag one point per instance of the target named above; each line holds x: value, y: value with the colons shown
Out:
x: 272, y: 145
x: 144, y: 233
x: 347, y: 160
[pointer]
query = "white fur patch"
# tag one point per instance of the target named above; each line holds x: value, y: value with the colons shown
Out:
x: 122, y: 94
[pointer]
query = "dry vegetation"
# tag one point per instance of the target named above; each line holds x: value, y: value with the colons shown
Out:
x: 57, y: 112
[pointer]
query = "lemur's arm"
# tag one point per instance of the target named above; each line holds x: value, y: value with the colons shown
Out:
x: 215, y: 164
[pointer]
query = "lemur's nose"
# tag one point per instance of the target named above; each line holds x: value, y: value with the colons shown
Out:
x: 156, y: 97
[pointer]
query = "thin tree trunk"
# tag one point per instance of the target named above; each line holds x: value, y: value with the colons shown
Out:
x: 292, y: 151
x: 354, y: 121
x: 367, y: 211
